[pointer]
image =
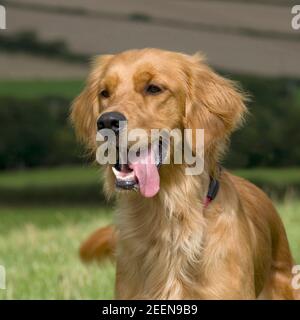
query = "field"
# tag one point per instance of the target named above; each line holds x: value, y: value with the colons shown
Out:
x: 82, y: 184
x: 46, y: 213
x: 49, y: 177
x: 39, y: 248
x: 91, y: 174
x: 40, y: 88
x: 39, y: 241
x: 228, y: 33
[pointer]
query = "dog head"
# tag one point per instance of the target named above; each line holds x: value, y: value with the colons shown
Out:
x: 155, y: 89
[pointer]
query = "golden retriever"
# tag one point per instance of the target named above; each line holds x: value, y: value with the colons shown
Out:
x: 168, y: 244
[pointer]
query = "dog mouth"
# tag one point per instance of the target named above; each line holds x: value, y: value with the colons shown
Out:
x: 140, y: 174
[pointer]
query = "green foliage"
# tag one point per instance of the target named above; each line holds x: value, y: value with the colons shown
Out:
x: 37, y: 89
x: 27, y: 41
x: 270, y: 137
x: 35, y: 131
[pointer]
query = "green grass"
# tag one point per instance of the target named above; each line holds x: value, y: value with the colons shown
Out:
x: 278, y: 176
x: 91, y: 175
x: 26, y: 89
x: 39, y: 243
x: 289, y: 211
x: 83, y: 184
x: 39, y: 248
x: 83, y: 175
x: 45, y: 186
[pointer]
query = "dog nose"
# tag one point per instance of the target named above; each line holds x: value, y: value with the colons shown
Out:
x: 110, y: 120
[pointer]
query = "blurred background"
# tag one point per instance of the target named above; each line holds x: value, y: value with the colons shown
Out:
x: 50, y: 195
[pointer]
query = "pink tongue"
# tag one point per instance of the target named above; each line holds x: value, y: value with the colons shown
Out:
x: 146, y: 172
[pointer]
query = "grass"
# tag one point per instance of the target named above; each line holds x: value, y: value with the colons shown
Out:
x: 278, y: 176
x: 82, y: 184
x: 91, y: 175
x: 28, y: 89
x: 39, y: 243
x: 40, y: 186
x: 39, y: 249
x: 290, y: 214
x: 83, y: 175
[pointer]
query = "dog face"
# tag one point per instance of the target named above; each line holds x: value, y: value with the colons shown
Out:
x: 156, y: 89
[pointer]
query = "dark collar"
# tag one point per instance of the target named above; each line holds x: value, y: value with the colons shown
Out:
x: 212, y: 192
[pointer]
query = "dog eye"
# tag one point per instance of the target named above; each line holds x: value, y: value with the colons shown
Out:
x: 153, y: 89
x: 105, y: 94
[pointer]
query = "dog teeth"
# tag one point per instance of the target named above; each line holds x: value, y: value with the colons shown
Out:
x: 123, y: 176
x: 115, y: 171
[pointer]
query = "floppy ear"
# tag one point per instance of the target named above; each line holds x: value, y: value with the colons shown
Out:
x: 214, y: 104
x: 85, y: 108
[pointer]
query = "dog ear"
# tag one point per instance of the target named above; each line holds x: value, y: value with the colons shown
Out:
x: 85, y: 108
x: 214, y: 104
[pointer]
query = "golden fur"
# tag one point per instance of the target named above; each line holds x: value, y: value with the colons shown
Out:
x: 170, y: 246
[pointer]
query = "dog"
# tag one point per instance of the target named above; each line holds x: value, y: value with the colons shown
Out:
x: 179, y: 236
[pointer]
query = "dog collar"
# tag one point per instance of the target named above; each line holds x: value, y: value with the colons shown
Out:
x: 213, y: 189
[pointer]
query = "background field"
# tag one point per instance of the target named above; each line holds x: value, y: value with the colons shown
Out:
x: 238, y: 36
x: 39, y: 248
x: 83, y: 184
x: 39, y: 239
x: 40, y: 88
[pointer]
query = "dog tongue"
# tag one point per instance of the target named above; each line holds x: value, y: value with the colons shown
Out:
x: 147, y: 174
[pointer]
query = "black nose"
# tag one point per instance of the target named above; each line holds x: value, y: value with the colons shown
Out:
x: 110, y: 120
